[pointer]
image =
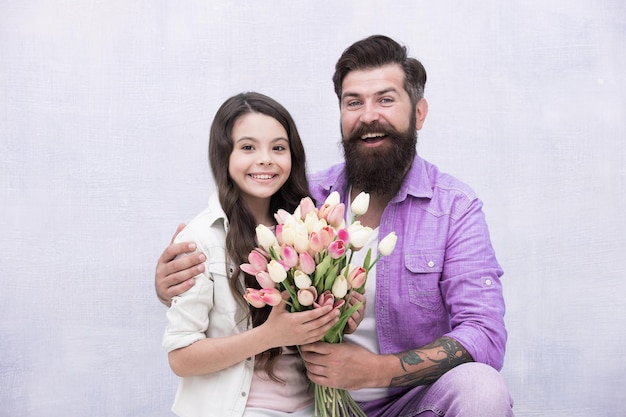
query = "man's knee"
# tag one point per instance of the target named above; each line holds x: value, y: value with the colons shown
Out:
x: 477, y: 387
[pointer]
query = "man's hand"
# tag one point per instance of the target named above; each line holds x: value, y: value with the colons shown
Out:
x: 174, y: 275
x: 356, y: 317
x: 340, y: 365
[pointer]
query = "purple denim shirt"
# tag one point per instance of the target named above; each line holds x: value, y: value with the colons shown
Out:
x: 443, y: 278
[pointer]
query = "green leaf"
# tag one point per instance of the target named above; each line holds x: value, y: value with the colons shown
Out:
x: 321, y: 269
x: 335, y: 333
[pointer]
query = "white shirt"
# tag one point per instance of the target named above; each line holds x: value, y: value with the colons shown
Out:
x: 195, y: 315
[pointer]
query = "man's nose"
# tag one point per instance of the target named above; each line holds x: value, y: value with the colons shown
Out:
x: 369, y: 114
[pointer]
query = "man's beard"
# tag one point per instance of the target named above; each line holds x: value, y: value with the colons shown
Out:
x: 379, y: 170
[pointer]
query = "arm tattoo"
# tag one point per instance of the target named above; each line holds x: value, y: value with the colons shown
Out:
x: 430, y: 362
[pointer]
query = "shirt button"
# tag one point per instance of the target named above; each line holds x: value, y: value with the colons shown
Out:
x: 431, y: 264
x: 488, y: 282
x: 243, y: 394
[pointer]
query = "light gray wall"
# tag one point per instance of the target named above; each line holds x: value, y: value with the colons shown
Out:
x: 105, y: 108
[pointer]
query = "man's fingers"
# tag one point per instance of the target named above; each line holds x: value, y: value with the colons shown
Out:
x: 175, y: 249
x: 183, y: 268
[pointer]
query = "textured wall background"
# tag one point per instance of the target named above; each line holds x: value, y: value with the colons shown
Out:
x: 105, y: 109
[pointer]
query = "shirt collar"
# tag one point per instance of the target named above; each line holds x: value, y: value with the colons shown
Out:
x: 416, y: 182
x: 216, y: 211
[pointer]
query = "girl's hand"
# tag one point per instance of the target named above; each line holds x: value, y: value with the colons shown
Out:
x: 299, y: 328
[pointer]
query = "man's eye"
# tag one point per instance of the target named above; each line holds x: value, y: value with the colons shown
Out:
x: 386, y: 100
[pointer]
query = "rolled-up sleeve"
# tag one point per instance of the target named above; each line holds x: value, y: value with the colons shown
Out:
x: 472, y: 289
x: 188, y: 316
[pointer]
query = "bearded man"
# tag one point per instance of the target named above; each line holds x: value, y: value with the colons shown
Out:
x: 432, y: 338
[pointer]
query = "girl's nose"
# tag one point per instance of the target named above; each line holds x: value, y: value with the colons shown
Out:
x: 265, y: 160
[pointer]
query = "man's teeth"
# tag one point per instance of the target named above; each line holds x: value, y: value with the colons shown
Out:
x: 372, y: 135
x: 262, y: 177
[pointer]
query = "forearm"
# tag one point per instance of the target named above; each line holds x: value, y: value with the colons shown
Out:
x: 424, y: 365
x: 215, y: 354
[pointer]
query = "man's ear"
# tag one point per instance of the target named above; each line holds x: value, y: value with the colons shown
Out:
x: 421, y: 110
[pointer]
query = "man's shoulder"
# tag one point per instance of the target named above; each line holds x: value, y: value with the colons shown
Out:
x: 447, y: 182
x: 327, y: 175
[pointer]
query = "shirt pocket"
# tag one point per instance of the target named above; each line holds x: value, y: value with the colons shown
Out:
x: 224, y: 301
x: 425, y: 268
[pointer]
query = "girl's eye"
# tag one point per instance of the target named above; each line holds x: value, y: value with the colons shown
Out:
x: 280, y: 148
x: 247, y: 147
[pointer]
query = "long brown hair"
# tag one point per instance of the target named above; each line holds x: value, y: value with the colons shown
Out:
x: 240, y: 238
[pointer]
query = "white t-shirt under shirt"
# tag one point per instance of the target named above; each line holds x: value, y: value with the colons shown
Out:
x: 365, y: 335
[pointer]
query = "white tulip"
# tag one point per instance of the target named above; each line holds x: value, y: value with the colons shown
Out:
x: 277, y: 271
x: 266, y: 237
x: 302, y: 280
x: 360, y: 204
x: 333, y: 199
x: 359, y: 234
x: 387, y: 245
x: 340, y: 287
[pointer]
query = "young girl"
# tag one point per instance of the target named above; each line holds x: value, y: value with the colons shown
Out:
x: 234, y: 359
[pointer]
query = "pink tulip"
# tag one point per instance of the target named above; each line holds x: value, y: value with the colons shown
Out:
x: 248, y: 269
x: 279, y: 234
x: 271, y: 296
x: 315, y: 243
x: 306, y: 262
x: 337, y: 249
x: 289, y: 256
x: 336, y: 214
x: 264, y: 280
x: 327, y: 299
x: 306, y: 206
x: 281, y: 216
x: 343, y: 235
x: 253, y: 296
x: 356, y: 276
x: 327, y: 235
x: 307, y: 296
x: 258, y: 261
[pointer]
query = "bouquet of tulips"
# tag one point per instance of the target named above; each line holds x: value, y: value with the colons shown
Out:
x: 309, y: 255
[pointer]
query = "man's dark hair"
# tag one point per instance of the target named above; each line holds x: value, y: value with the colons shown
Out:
x: 377, y: 51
